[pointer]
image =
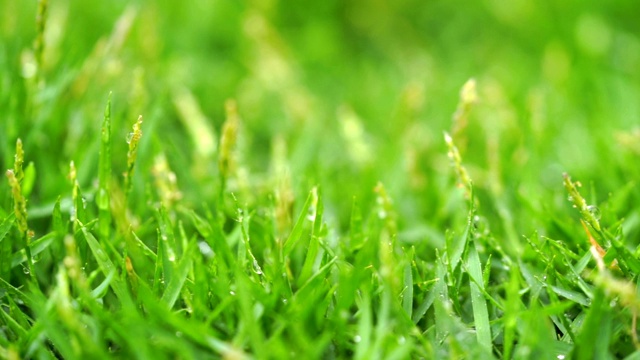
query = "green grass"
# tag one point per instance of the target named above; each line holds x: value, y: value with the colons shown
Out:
x: 319, y: 180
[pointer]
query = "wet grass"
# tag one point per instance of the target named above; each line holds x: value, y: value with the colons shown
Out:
x: 318, y: 182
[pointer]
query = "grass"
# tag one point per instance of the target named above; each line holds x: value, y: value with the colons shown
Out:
x: 315, y: 181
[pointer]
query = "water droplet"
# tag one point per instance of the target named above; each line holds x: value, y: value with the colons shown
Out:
x: 178, y: 333
x: 205, y: 249
x: 570, y: 198
x: 232, y: 293
x: 311, y: 214
x: 256, y: 267
x: 357, y: 339
x: 284, y: 301
x: 560, y: 357
x: 26, y: 271
x: 594, y: 211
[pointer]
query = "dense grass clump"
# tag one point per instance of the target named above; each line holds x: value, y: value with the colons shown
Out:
x: 319, y: 180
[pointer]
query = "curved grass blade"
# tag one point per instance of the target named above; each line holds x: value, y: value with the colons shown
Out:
x: 294, y: 237
x: 6, y: 225
x: 36, y: 247
x: 174, y: 287
x: 107, y: 267
x: 104, y: 176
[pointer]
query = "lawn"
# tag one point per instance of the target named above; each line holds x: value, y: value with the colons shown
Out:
x: 322, y: 180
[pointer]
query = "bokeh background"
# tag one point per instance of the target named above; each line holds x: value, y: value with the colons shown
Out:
x: 342, y: 94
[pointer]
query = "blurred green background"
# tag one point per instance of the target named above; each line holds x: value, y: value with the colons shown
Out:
x: 349, y: 93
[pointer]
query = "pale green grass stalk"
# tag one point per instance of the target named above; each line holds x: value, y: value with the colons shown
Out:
x: 15, y: 178
x: 132, y: 140
x: 39, y: 44
x: 103, y: 199
x: 227, y: 157
x: 271, y: 235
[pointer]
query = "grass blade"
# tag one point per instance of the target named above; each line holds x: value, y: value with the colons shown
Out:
x: 37, y: 247
x: 107, y: 267
x: 6, y: 225
x: 593, y: 340
x: 104, y: 176
x: 294, y: 237
x: 478, y: 302
x: 174, y: 287
x: 407, y: 294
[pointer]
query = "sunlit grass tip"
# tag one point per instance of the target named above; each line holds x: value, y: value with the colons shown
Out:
x: 463, y: 178
x: 227, y: 156
x: 590, y: 213
x: 460, y: 121
x: 133, y: 139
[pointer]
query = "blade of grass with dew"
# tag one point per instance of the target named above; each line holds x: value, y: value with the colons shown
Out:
x: 145, y: 249
x: 407, y: 292
x: 36, y: 248
x: 382, y: 323
x: 167, y: 237
x: 442, y: 298
x: 159, y: 274
x: 316, y: 210
x: 174, y: 287
x: 294, y: 237
x: 58, y: 225
x: 625, y: 256
x: 5, y: 246
x: 511, y: 311
x: 424, y: 307
x: 248, y: 315
x: 365, y: 328
x: 104, y: 176
x: 456, y: 246
x: 6, y: 224
x: 12, y: 324
x: 213, y: 234
x: 592, y: 341
x: 107, y: 267
x: 101, y: 290
x: 203, y: 335
x: 478, y: 302
x: 133, y: 139
x: 322, y: 271
x: 561, y: 322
